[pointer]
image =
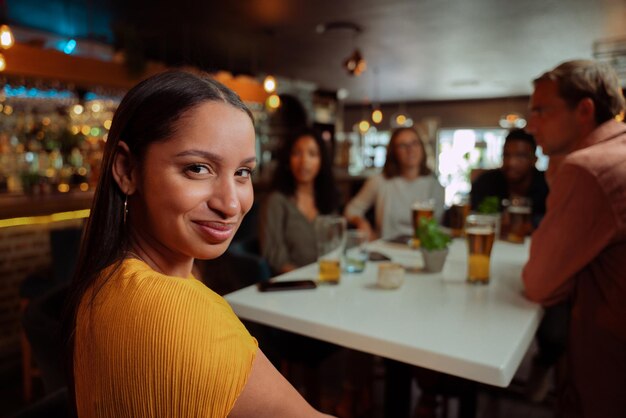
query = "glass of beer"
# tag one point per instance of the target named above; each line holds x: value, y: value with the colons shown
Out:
x: 458, y: 212
x: 480, y: 232
x: 519, y: 216
x: 330, y: 232
x: 421, y: 209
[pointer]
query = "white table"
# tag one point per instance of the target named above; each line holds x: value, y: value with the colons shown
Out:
x: 436, y: 321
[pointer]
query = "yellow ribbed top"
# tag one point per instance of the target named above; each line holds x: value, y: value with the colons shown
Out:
x: 152, y: 345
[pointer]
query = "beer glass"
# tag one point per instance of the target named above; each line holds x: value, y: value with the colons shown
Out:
x: 330, y: 232
x: 519, y: 217
x: 355, y: 253
x: 421, y: 209
x: 480, y: 232
x: 458, y: 212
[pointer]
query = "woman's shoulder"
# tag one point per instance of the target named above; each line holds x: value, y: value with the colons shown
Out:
x: 136, y: 286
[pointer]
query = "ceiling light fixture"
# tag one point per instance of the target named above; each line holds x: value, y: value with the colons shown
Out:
x: 377, y: 116
x: 401, y: 119
x: 6, y: 37
x: 273, y: 102
x: 354, y: 64
x: 512, y: 120
x: 269, y: 84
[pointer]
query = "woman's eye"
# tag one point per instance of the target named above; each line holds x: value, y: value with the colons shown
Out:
x: 197, y: 169
x: 244, y: 172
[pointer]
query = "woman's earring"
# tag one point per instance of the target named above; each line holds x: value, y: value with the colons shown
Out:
x: 125, y: 207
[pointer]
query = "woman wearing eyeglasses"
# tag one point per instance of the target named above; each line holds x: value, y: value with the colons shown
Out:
x: 404, y: 180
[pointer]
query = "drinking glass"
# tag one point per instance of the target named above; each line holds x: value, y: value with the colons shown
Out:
x: 330, y: 231
x: 519, y: 218
x: 458, y: 213
x: 421, y: 209
x: 355, y: 254
x: 480, y: 232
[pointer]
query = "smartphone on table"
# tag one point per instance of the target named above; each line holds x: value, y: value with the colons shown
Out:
x: 286, y: 285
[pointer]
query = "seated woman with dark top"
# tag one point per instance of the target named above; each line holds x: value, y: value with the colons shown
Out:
x: 303, y: 188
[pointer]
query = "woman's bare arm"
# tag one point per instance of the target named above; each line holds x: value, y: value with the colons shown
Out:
x: 268, y: 394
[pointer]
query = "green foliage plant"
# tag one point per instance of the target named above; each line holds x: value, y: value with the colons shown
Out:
x: 431, y: 236
x: 490, y: 204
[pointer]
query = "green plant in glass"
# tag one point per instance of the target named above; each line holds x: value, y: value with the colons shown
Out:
x: 490, y: 204
x: 431, y: 236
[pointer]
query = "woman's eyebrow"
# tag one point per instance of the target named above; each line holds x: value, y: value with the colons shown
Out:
x: 211, y: 156
x: 200, y: 153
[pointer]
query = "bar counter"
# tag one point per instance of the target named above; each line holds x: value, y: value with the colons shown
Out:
x: 22, y: 205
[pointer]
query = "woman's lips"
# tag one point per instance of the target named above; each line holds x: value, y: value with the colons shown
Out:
x: 216, y: 231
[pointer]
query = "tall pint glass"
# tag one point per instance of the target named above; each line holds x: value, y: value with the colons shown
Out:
x: 519, y: 212
x: 421, y: 209
x: 480, y: 232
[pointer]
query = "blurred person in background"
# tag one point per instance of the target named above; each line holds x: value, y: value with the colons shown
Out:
x: 517, y: 177
x: 302, y: 188
x: 147, y: 338
x: 404, y: 180
x: 579, y: 250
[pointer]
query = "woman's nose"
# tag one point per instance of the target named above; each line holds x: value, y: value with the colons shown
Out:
x: 224, y: 199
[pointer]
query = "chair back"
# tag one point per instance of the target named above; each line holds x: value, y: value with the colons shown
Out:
x: 42, y: 324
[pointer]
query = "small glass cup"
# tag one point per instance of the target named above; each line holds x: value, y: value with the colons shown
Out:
x: 355, y: 253
x: 480, y: 232
x: 330, y: 231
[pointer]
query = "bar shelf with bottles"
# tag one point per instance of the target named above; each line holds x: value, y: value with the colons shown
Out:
x: 51, y: 141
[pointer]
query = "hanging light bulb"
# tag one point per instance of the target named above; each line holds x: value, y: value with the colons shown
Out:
x: 3, y: 63
x: 377, y: 116
x: 364, y: 126
x: 273, y: 102
x: 401, y: 120
x: 6, y: 37
x: 269, y: 84
x: 512, y: 120
x: 355, y: 64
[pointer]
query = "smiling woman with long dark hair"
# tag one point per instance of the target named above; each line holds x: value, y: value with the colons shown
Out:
x: 147, y: 339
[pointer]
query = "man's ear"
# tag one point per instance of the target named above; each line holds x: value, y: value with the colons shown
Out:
x: 124, y: 169
x: 586, y: 110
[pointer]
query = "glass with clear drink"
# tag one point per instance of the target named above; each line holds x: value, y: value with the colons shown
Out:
x: 355, y: 254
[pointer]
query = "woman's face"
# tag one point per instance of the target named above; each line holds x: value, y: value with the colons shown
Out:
x: 408, y: 150
x: 195, y: 187
x: 305, y: 160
